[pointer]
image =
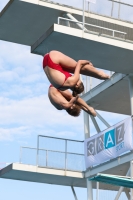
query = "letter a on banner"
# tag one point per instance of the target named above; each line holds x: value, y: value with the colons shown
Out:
x: 109, y: 139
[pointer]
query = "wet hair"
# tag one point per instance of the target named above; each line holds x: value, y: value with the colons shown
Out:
x: 75, y: 111
x: 78, y: 90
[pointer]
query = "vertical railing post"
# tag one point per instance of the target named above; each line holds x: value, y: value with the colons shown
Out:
x: 83, y: 14
x: 37, y: 151
x: 46, y: 158
x: 20, y: 156
x: 65, y: 155
x: 119, y: 9
x: 112, y: 8
x: 88, y: 6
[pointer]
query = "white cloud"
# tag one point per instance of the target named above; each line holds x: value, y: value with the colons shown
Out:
x: 8, y: 76
x: 39, y: 115
x: 11, y: 133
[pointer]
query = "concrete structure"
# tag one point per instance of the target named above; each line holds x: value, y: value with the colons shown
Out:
x: 107, y: 42
x: 115, y: 91
x: 18, y: 171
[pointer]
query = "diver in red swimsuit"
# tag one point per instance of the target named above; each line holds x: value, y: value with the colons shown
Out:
x: 64, y: 100
x: 58, y: 67
x: 48, y: 62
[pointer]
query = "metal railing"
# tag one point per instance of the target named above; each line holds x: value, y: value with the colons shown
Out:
x: 58, y: 153
x: 91, y: 27
x: 118, y: 9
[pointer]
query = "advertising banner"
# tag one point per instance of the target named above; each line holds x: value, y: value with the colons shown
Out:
x: 109, y: 144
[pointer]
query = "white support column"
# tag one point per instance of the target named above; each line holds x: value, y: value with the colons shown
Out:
x: 97, y: 193
x: 86, y: 126
x: 130, y: 78
x: 131, y: 174
x: 87, y: 135
x: 89, y: 190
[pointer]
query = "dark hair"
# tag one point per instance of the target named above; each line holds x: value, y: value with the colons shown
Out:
x: 75, y: 111
x: 78, y: 90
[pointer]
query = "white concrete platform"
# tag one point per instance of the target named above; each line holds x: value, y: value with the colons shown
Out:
x: 111, y: 95
x: 43, y: 175
x: 30, y: 173
x: 104, y: 52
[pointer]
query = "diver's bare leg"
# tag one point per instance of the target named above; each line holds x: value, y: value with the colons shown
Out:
x: 69, y: 64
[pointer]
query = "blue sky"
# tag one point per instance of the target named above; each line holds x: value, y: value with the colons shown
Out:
x: 25, y: 112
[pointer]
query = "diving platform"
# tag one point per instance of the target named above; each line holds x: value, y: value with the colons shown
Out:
x: 24, y: 172
x: 32, y: 173
x: 104, y: 52
x: 107, y: 42
x: 111, y: 95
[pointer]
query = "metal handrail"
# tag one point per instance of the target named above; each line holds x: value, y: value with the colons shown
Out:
x: 124, y: 33
x: 123, y: 3
x: 52, y: 150
x: 60, y: 138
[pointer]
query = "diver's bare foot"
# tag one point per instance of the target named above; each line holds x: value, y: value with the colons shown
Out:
x: 103, y: 75
x: 92, y: 111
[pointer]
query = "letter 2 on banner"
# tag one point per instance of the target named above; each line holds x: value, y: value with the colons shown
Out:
x: 91, y: 1
x: 109, y: 144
